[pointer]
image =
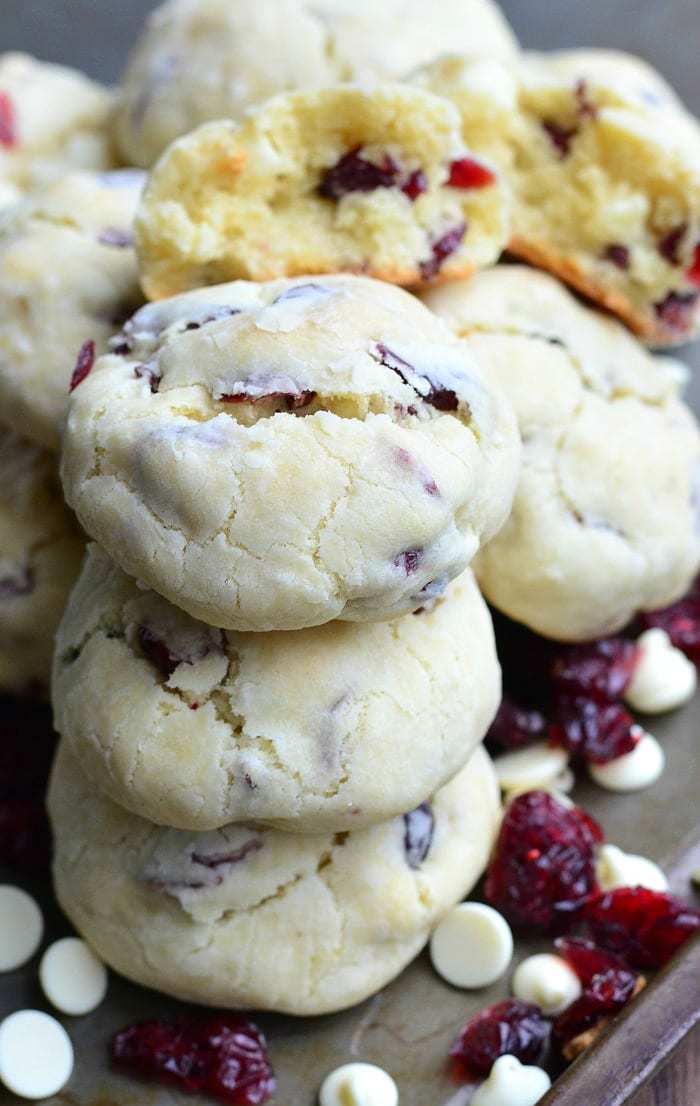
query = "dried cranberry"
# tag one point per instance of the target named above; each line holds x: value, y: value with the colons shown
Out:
x: 289, y: 401
x: 681, y: 621
x: 645, y: 927
x: 676, y: 310
x: 585, y: 107
x: 597, y: 732
x: 600, y: 670
x: 512, y: 1027
x: 25, y: 837
x: 514, y: 726
x: 608, y: 984
x: 418, y: 834
x: 670, y: 244
x: 559, y: 136
x: 408, y: 561
x: 149, y: 373
x: 617, y: 255
x: 442, y: 248
x: 416, y: 185
x: 356, y: 174
x: 543, y: 870
x: 84, y: 363
x: 223, y: 1055
x: 27, y: 744
x: 8, y: 121
x: 157, y: 652
x: 425, y: 384
x: 468, y: 173
x: 692, y: 275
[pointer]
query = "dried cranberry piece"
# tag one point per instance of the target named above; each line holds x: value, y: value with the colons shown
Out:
x: 157, y: 652
x: 441, y: 249
x: 514, y: 726
x: 408, y: 561
x: 608, y: 985
x: 112, y: 236
x: 645, y: 927
x: 677, y: 309
x: 8, y: 121
x: 681, y: 621
x: 25, y: 837
x: 27, y: 744
x: 416, y: 185
x: 418, y: 834
x: 512, y: 1027
x: 560, y: 136
x: 149, y: 373
x: 356, y: 174
x: 617, y: 255
x: 543, y: 869
x: 84, y: 363
x: 597, y: 732
x: 466, y: 173
x: 692, y: 275
x: 223, y: 1055
x: 600, y: 669
x: 290, y: 401
x: 670, y: 244
x: 585, y: 107
x: 427, y: 386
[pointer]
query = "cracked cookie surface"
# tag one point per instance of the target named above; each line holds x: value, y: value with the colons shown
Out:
x: 68, y: 279
x: 605, y: 519
x: 335, y: 727
x: 197, y: 915
x: 199, y: 60
x: 276, y: 456
x: 41, y: 549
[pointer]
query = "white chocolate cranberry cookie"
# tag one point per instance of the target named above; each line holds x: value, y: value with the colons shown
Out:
x: 205, y: 916
x: 41, y: 549
x: 52, y: 119
x: 605, y: 519
x: 68, y: 279
x: 347, y: 179
x: 604, y: 164
x: 336, y: 727
x: 199, y: 60
x: 273, y: 456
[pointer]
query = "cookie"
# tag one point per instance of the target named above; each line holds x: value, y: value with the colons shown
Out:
x: 374, y: 181
x: 331, y: 728
x: 199, y: 60
x: 604, y: 164
x: 41, y: 549
x: 273, y: 456
x: 52, y: 119
x: 203, y: 916
x: 605, y: 520
x: 68, y: 276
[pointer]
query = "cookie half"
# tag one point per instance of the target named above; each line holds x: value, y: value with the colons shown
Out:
x: 274, y: 456
x: 369, y: 180
x: 196, y: 915
x: 604, y: 164
x: 605, y: 519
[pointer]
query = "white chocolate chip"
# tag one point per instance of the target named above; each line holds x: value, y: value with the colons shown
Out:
x: 358, y: 1085
x: 21, y: 927
x: 472, y: 946
x: 548, y: 981
x: 633, y: 771
x: 72, y: 977
x: 533, y: 767
x: 663, y: 678
x: 615, y: 868
x: 512, y: 1084
x: 36, y: 1054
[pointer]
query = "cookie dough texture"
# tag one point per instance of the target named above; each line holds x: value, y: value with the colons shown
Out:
x: 274, y: 456
x: 199, y: 60
x: 604, y: 164
x: 68, y: 274
x: 52, y: 120
x: 347, y: 179
x: 335, y: 727
x: 605, y: 519
x: 197, y: 915
x: 41, y: 550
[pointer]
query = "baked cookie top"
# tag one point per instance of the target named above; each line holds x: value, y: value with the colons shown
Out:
x: 374, y: 180
x: 605, y: 519
x: 199, y: 60
x: 273, y: 456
